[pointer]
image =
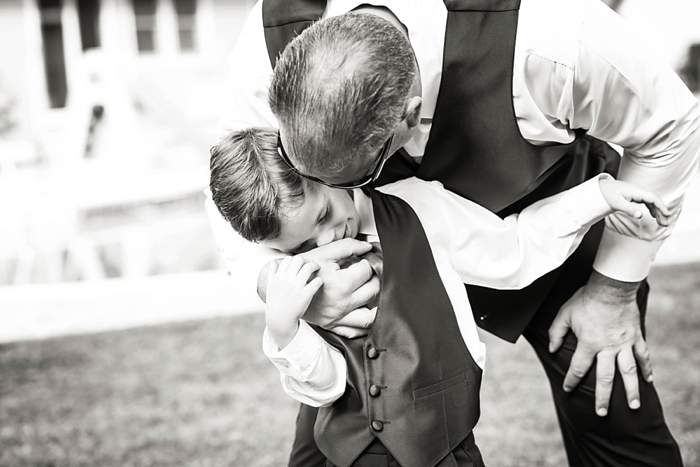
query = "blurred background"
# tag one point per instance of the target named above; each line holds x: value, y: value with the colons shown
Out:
x: 107, y: 111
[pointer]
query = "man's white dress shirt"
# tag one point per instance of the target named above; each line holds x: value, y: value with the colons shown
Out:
x: 577, y: 65
x: 470, y: 245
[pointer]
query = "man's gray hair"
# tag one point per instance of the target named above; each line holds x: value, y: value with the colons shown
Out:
x: 339, y: 89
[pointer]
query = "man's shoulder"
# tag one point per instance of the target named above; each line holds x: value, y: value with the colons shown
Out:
x: 550, y: 29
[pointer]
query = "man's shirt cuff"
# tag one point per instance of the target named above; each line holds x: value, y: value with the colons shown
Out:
x: 625, y: 258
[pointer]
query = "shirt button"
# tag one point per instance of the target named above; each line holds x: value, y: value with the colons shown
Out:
x: 374, y: 390
x: 483, y: 317
x: 372, y: 353
x: 377, y: 425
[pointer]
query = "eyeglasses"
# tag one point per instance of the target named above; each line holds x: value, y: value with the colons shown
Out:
x: 382, y: 157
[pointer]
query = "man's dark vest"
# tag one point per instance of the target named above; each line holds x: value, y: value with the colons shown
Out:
x: 412, y: 382
x: 475, y: 147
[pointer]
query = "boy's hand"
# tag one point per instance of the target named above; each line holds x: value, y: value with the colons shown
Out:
x: 628, y: 198
x: 289, y: 293
x: 342, y: 304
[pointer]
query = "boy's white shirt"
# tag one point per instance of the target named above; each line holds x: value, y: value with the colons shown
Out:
x: 470, y: 245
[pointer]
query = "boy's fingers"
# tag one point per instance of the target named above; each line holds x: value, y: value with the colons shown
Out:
x: 295, y: 264
x: 652, y: 201
x: 366, y: 293
x: 656, y: 201
x: 338, y: 250
x: 661, y: 219
x: 630, y: 208
x: 283, y: 265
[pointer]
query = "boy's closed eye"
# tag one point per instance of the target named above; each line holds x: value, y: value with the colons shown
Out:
x: 323, y: 215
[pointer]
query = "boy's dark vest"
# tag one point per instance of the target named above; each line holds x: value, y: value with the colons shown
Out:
x: 475, y: 147
x: 412, y: 382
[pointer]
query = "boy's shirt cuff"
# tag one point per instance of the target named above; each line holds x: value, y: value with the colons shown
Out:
x: 300, y: 356
x: 585, y: 204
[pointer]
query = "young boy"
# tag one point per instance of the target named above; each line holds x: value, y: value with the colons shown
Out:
x: 409, y: 390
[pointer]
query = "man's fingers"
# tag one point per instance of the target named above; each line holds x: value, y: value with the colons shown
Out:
x: 348, y: 332
x: 356, y: 274
x: 283, y: 265
x: 311, y: 288
x: 558, y: 329
x: 628, y: 369
x: 336, y: 251
x: 580, y: 364
x: 605, y: 374
x: 307, y: 270
x: 644, y: 360
x: 359, y: 318
x: 366, y: 293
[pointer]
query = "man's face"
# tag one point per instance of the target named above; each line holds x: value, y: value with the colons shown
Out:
x: 326, y: 215
x: 360, y: 169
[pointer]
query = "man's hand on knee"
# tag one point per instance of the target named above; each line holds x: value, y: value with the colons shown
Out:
x: 604, y: 316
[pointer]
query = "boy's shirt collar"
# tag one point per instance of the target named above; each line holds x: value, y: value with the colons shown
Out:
x: 365, y: 215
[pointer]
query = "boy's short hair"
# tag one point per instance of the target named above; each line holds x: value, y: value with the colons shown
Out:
x: 251, y: 185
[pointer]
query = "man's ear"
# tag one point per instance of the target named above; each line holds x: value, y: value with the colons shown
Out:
x: 412, y: 112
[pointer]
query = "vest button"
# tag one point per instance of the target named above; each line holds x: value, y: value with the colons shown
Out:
x: 372, y: 353
x: 374, y: 390
x: 377, y: 425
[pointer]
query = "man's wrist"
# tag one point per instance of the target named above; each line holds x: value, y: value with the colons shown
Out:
x: 612, y: 290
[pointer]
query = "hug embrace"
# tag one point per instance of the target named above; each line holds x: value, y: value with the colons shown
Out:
x: 430, y: 167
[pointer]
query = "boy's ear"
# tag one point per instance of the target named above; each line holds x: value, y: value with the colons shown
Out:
x: 412, y: 112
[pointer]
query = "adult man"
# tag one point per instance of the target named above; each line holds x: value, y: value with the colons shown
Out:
x: 499, y: 117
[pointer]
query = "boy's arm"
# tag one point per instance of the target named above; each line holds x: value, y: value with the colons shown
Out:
x: 507, y: 253
x: 311, y: 371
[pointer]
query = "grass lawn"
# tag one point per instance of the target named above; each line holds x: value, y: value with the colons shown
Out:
x: 201, y: 393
